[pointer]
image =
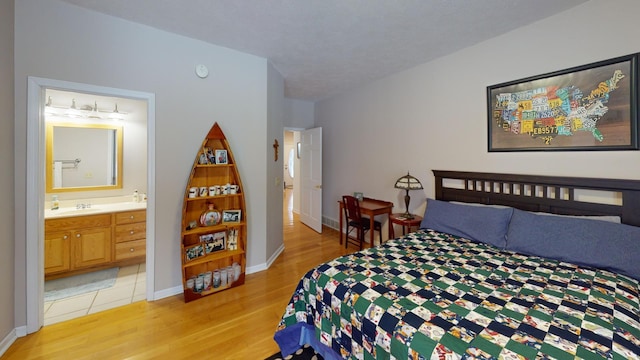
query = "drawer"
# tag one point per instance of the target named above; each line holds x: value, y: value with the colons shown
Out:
x: 130, y: 232
x: 128, y: 217
x: 130, y: 249
x: 77, y: 222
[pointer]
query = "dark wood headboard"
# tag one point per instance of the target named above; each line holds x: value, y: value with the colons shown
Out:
x: 552, y: 194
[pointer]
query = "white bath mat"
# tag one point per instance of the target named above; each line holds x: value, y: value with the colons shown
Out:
x: 79, y: 284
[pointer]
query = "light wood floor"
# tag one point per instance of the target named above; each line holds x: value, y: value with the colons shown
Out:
x: 235, y: 324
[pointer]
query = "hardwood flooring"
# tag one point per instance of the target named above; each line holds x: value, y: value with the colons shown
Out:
x: 234, y: 324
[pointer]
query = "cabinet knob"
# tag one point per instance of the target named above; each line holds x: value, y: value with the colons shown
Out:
x: 77, y: 235
x: 131, y: 232
x: 131, y: 217
x: 65, y: 237
x: 131, y: 250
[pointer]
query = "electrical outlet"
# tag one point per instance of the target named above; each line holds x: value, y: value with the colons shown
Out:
x: 88, y: 175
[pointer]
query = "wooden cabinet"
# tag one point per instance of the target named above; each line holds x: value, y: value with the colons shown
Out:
x: 57, y: 245
x: 78, y: 242
x: 90, y: 242
x: 130, y: 235
x: 211, y: 249
x: 91, y: 247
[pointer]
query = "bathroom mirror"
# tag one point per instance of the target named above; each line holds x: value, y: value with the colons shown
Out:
x: 83, y: 157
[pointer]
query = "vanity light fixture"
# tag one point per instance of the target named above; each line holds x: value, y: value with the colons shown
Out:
x: 116, y: 115
x: 85, y: 111
x: 95, y: 114
x: 48, y: 108
x: 73, y: 111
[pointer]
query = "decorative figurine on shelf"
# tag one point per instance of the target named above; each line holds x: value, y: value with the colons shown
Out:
x: 232, y: 242
x: 210, y: 216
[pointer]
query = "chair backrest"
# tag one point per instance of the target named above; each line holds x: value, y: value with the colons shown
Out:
x: 351, y: 208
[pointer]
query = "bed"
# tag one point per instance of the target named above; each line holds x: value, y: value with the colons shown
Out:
x: 492, y: 273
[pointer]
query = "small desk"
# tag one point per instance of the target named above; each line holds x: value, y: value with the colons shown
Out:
x: 404, y: 222
x: 370, y: 207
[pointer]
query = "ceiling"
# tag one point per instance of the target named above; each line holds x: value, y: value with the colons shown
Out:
x: 324, y: 47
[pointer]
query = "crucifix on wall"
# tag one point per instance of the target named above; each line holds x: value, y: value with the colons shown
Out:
x: 275, y: 149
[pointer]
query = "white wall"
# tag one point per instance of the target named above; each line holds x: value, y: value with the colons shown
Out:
x: 298, y: 114
x: 60, y: 41
x: 7, y: 270
x: 434, y: 116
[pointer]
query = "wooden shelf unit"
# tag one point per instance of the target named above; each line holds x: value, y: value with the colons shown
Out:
x: 207, y: 175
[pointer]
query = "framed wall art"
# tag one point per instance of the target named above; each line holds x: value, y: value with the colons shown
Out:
x: 214, y: 242
x: 221, y: 157
x: 231, y: 216
x: 589, y: 107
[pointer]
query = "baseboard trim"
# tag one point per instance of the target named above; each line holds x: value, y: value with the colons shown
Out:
x: 167, y: 292
x: 9, y: 340
x: 275, y: 255
x: 266, y: 265
x: 250, y: 270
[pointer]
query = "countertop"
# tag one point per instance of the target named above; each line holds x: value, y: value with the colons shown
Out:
x: 94, y: 209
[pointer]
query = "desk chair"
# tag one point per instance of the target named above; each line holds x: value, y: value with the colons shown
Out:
x: 356, y: 221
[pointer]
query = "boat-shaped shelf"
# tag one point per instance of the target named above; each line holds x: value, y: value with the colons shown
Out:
x: 214, y: 221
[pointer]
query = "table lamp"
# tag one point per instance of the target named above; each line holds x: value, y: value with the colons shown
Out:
x: 407, y: 183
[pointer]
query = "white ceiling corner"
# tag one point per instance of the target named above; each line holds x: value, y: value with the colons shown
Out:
x: 324, y: 47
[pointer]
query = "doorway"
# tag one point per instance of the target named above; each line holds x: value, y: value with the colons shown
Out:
x: 44, y: 94
x: 291, y: 172
x: 307, y: 178
x: 86, y: 138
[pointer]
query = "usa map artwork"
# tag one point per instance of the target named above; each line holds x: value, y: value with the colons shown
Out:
x: 550, y: 111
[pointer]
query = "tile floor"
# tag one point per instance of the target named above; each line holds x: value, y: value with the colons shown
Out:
x: 130, y: 287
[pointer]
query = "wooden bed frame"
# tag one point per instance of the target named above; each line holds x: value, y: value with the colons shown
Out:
x: 552, y: 194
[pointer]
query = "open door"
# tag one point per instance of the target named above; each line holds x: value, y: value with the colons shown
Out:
x: 311, y: 178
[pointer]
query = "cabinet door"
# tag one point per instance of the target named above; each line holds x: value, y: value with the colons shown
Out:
x: 91, y: 247
x: 56, y: 252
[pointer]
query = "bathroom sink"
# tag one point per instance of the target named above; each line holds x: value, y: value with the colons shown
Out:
x: 75, y: 211
x: 94, y: 209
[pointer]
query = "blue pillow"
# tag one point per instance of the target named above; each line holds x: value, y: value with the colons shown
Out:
x: 606, y: 245
x: 484, y: 224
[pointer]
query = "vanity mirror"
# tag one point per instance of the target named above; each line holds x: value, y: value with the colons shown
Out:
x: 83, y: 157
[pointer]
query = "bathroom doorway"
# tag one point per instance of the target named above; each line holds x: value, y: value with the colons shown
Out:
x: 86, y: 137
x: 81, y: 106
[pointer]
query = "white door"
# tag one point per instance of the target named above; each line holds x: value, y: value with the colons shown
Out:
x: 311, y: 178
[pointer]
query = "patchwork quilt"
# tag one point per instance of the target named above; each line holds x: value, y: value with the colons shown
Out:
x: 430, y: 295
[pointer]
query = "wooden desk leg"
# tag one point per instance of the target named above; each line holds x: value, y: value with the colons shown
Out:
x: 392, y: 231
x: 341, y: 227
x: 371, y: 230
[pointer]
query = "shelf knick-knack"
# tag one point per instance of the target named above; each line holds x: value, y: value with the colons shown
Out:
x: 210, y: 216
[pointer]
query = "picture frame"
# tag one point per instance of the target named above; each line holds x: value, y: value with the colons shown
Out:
x: 214, y: 241
x: 194, y: 252
x: 232, y: 239
x: 211, y: 158
x: 588, y: 107
x: 221, y: 157
x: 231, y: 216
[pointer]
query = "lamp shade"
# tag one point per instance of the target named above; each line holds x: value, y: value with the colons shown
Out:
x: 407, y: 183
